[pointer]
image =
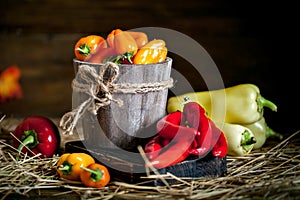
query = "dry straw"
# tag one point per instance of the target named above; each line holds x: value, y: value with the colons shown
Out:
x: 269, y: 173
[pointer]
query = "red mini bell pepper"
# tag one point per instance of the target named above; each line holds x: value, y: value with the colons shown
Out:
x: 39, y: 134
x: 196, y: 117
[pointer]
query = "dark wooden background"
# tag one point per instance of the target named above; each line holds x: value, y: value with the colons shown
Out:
x: 250, y: 41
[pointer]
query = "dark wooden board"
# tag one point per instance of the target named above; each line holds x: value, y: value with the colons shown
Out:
x: 208, y: 166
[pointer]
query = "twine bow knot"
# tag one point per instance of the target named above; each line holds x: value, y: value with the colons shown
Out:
x: 96, y: 87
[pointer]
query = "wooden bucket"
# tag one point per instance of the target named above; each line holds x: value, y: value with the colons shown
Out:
x: 123, y: 126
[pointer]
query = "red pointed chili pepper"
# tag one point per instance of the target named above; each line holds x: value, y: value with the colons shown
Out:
x: 177, y: 140
x: 171, y: 119
x: 168, y: 126
x: 219, y: 142
x: 39, y: 134
x: 177, y: 150
x: 196, y: 117
x: 165, y: 142
x: 153, y: 147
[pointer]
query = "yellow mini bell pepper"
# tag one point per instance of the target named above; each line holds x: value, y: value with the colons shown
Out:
x: 154, y: 51
x: 243, y: 103
x: 69, y: 165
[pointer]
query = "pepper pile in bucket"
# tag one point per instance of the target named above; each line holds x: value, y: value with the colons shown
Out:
x: 244, y: 125
x: 103, y: 68
x: 121, y: 47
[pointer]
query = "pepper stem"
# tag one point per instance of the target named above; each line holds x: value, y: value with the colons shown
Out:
x: 262, y: 102
x: 66, y: 168
x: 84, y: 49
x: 29, y: 139
x: 96, y: 174
x: 270, y: 133
x: 127, y: 56
x: 247, y: 141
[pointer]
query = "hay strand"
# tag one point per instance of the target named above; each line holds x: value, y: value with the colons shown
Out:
x: 269, y: 173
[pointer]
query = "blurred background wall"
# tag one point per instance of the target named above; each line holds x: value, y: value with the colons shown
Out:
x: 250, y: 41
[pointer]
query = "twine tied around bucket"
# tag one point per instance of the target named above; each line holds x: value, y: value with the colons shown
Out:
x: 100, y: 89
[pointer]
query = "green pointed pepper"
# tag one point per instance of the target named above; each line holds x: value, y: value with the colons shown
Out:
x: 262, y: 132
x: 239, y: 138
x: 243, y: 103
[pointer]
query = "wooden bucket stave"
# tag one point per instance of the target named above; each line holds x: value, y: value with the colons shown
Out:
x: 122, y: 126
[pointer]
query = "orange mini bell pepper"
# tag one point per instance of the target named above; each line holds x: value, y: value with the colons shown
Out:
x: 69, y: 165
x: 140, y: 38
x: 10, y: 86
x: 86, y: 46
x: 102, y: 54
x: 154, y: 51
x: 122, y: 42
x: 95, y: 175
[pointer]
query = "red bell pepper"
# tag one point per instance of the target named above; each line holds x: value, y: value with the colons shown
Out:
x: 39, y: 134
x: 196, y: 117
